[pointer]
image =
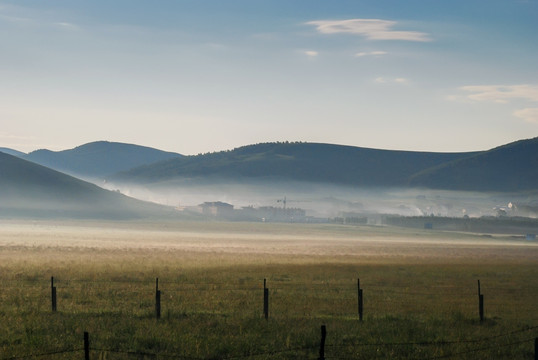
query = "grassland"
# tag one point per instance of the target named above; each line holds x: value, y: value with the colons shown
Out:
x: 420, y: 291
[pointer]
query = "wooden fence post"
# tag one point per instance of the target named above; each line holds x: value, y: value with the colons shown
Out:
x: 157, y: 300
x: 480, y: 303
x: 86, y: 346
x: 53, y: 293
x: 359, y: 298
x: 265, y: 299
x: 322, y: 343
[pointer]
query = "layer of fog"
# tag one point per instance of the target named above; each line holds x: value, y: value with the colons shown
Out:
x: 326, y: 201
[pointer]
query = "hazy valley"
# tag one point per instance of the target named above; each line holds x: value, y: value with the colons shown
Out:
x: 323, y: 181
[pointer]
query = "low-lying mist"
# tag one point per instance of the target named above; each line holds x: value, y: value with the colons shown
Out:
x: 328, y: 201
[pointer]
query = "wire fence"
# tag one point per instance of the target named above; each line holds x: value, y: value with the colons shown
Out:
x: 87, y: 350
x: 338, y: 349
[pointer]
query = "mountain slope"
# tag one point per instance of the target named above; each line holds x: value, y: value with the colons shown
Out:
x: 99, y: 158
x: 297, y: 161
x: 28, y: 189
x: 512, y: 167
x: 12, y: 152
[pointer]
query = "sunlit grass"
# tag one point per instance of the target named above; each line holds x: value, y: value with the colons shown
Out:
x: 212, y: 296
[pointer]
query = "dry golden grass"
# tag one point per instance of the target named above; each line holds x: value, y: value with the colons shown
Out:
x: 419, y: 286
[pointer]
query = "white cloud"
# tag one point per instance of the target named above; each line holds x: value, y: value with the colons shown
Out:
x: 311, y: 53
x: 501, y: 93
x: 67, y: 26
x: 384, y: 80
x: 529, y: 115
x: 371, y: 53
x: 372, y: 29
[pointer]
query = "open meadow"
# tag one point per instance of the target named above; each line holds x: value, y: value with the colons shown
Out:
x: 419, y: 289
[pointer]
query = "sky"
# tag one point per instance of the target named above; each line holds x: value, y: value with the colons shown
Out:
x: 200, y: 76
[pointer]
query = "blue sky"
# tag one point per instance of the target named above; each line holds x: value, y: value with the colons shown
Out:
x: 198, y: 76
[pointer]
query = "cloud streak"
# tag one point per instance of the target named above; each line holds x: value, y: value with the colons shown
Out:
x: 501, y: 93
x: 384, y: 80
x: 371, y: 53
x: 530, y: 115
x: 372, y: 29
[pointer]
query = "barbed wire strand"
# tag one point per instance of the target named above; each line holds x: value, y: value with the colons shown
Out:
x: 443, y: 342
x: 276, y: 284
x: 42, y: 354
x: 177, y: 356
x: 480, y: 349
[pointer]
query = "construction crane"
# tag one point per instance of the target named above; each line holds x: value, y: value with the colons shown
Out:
x: 284, y: 201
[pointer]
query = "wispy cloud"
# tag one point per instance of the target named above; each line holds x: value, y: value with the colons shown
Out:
x: 385, y: 80
x: 501, y: 93
x: 504, y: 94
x: 311, y: 53
x: 371, y: 53
x: 67, y: 26
x: 372, y: 29
x: 529, y: 115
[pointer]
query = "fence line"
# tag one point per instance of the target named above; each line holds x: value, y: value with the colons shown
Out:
x: 311, y: 348
x: 480, y: 349
x: 277, y: 284
x: 142, y: 353
x: 57, y: 352
x: 435, y: 343
x: 189, y: 287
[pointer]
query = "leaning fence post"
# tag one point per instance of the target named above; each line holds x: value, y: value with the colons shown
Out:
x: 53, y: 293
x: 86, y: 346
x: 265, y: 299
x: 322, y: 343
x: 480, y: 303
x: 360, y: 301
x: 157, y: 299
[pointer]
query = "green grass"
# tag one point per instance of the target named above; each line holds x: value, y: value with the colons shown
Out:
x: 212, y: 303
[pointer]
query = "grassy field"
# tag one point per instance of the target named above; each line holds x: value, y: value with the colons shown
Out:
x: 420, y: 292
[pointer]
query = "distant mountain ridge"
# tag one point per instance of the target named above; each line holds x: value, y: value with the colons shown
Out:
x: 98, y: 159
x: 505, y: 168
x: 298, y: 161
x: 355, y: 166
x: 12, y: 152
x: 31, y: 190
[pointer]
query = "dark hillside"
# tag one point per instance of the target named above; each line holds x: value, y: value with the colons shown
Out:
x: 512, y: 167
x: 12, y: 152
x: 297, y: 161
x: 31, y: 190
x: 99, y: 158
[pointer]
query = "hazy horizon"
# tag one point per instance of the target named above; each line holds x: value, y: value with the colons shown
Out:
x: 239, y: 146
x: 193, y: 77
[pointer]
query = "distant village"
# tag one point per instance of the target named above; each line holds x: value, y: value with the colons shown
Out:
x: 219, y: 210
x: 224, y: 211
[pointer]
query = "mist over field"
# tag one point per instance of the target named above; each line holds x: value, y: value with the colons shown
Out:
x: 328, y: 200
x: 218, y: 179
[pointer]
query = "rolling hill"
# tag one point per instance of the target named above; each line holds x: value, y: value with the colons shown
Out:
x: 506, y: 168
x: 32, y: 190
x: 98, y: 159
x: 512, y: 167
x: 12, y: 152
x: 297, y: 161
